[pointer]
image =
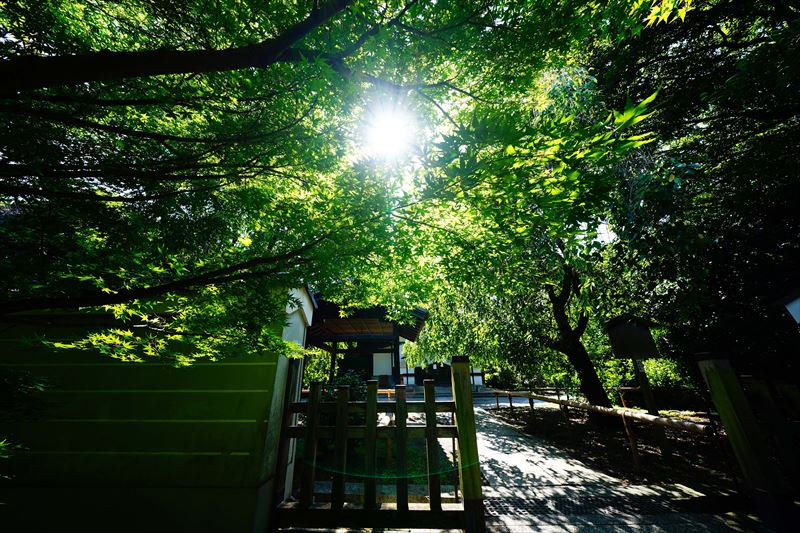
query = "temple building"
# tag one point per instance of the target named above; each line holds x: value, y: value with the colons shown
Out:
x: 372, y: 344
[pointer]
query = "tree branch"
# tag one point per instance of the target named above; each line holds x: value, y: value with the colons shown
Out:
x: 33, y: 72
x: 70, y: 120
x: 15, y: 190
x: 97, y: 298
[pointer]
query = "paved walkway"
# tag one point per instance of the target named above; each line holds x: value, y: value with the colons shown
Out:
x: 532, y: 486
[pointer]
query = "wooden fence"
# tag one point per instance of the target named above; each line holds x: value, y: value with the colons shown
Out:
x: 368, y: 511
x: 662, y: 421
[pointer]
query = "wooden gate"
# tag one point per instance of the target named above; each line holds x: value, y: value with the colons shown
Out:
x: 368, y: 510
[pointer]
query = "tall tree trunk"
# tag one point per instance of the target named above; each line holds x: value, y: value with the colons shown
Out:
x: 569, y: 337
x: 591, y: 387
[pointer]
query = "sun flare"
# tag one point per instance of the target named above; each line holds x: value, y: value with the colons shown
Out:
x: 388, y: 133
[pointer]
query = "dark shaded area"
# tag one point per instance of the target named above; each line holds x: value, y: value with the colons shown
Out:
x: 713, y: 205
x: 703, y: 463
x: 386, y: 450
x: 681, y: 398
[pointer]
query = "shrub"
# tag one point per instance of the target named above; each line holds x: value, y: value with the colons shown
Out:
x: 357, y: 382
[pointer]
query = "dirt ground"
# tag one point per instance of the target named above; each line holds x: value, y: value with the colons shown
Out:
x: 698, y: 461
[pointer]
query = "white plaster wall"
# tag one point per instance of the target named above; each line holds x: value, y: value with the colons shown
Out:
x: 298, y: 319
x: 382, y: 364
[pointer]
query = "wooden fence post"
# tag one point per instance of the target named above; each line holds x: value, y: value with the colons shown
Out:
x: 456, y: 479
x: 400, y: 418
x: 468, y: 461
x: 310, y: 446
x: 742, y: 428
x: 432, y: 447
x: 340, y: 446
x: 370, y: 442
x: 637, y: 465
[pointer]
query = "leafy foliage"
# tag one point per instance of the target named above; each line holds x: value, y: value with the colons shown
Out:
x: 180, y: 166
x: 707, y: 216
x: 356, y: 381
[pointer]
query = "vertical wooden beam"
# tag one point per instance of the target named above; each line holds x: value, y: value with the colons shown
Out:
x: 396, y: 355
x: 456, y: 479
x: 310, y: 446
x: 637, y: 465
x: 401, y: 439
x: 742, y: 429
x: 650, y: 404
x: 432, y: 446
x: 370, y: 443
x: 286, y: 447
x: 644, y: 386
x: 340, y: 447
x: 468, y: 461
x: 332, y: 371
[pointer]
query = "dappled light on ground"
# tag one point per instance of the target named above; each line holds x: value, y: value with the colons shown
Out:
x: 531, y: 485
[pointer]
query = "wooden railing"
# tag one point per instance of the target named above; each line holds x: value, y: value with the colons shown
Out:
x: 662, y: 421
x: 367, y: 510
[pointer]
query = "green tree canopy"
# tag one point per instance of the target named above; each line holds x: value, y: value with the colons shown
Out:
x: 162, y: 161
x: 181, y: 165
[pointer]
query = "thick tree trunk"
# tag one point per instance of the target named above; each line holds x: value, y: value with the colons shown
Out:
x: 569, y: 337
x: 31, y: 72
x: 591, y: 387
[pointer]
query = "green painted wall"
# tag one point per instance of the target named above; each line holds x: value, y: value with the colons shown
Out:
x: 113, y: 446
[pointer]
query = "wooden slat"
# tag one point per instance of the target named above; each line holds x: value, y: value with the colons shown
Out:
x: 107, y: 374
x: 401, y: 440
x: 432, y: 446
x: 291, y: 516
x: 370, y: 440
x: 310, y: 447
x: 95, y: 435
x: 130, y: 469
x: 122, y: 509
x: 153, y: 404
x: 340, y: 447
x: 382, y: 407
x: 359, y: 432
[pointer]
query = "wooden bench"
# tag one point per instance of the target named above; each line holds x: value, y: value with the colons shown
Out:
x: 388, y: 392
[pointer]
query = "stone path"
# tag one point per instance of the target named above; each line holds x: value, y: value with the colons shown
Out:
x: 532, y: 486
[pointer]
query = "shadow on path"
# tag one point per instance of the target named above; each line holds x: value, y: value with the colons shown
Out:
x: 530, y: 485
